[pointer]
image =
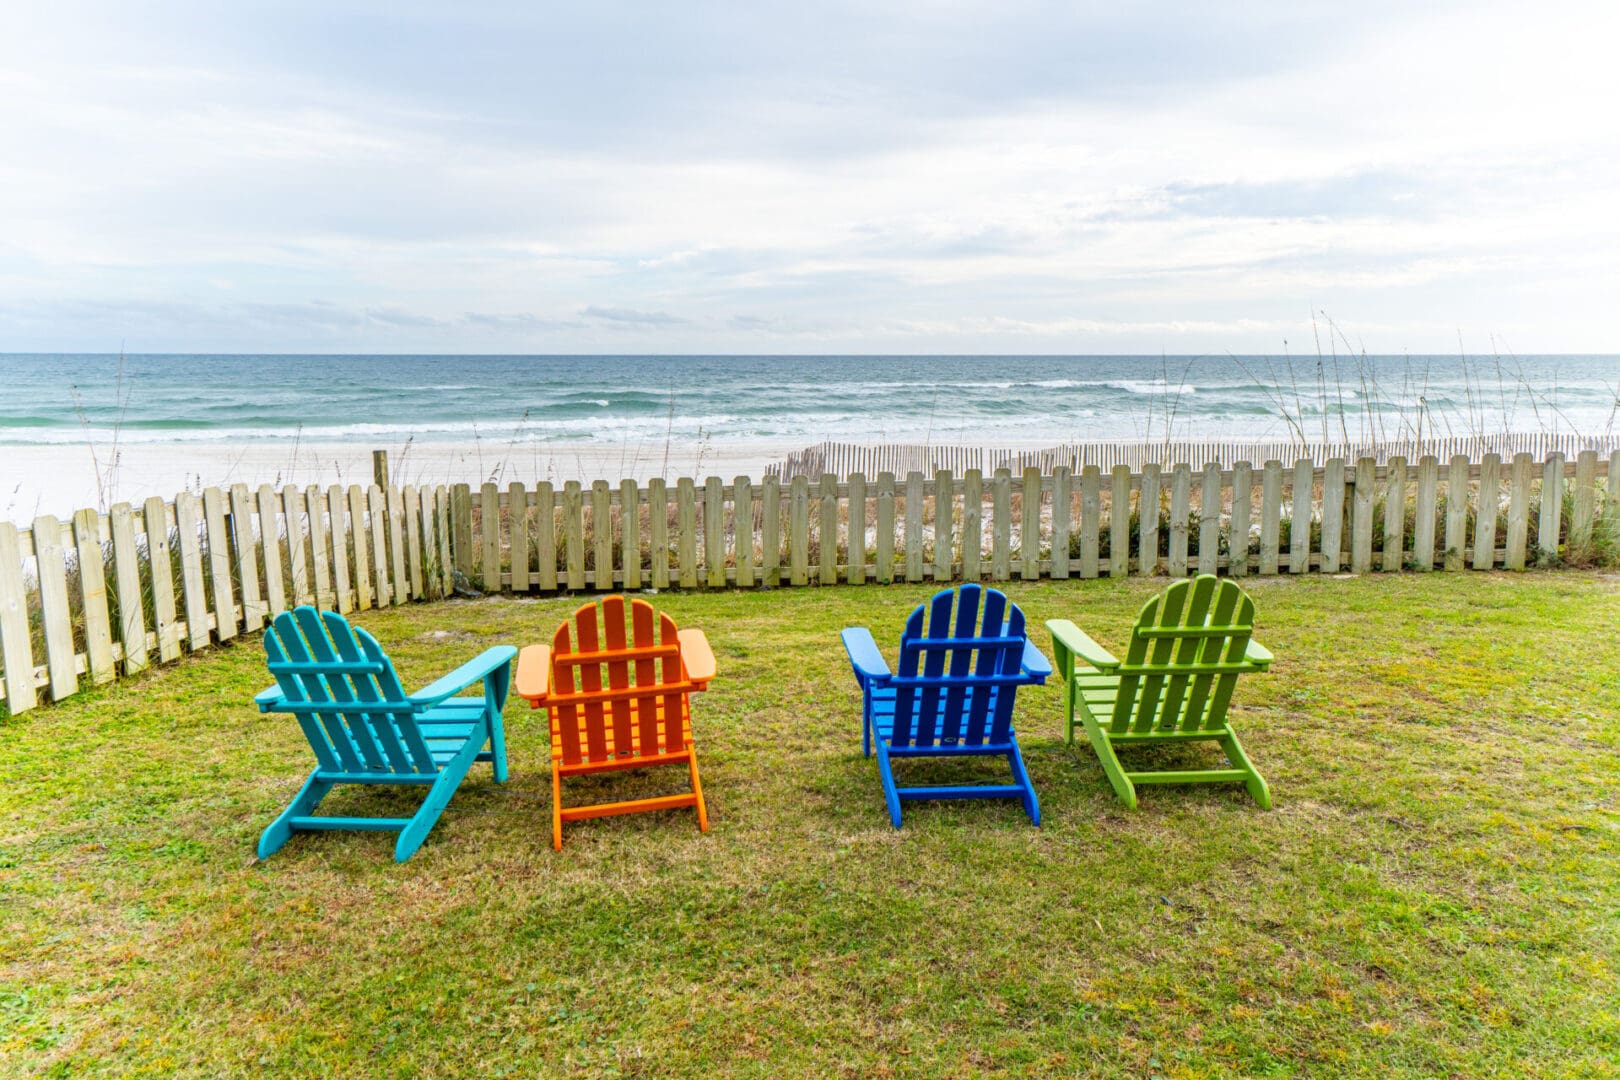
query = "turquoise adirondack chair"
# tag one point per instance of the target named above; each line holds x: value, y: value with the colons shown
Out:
x: 1187, y: 649
x: 966, y: 710
x: 338, y: 683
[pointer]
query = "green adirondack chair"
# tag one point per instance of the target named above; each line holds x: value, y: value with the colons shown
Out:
x: 364, y: 729
x: 1187, y: 649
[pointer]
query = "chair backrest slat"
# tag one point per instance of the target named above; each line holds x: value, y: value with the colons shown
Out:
x: 617, y: 678
x: 344, y: 691
x: 961, y: 661
x: 1185, y: 654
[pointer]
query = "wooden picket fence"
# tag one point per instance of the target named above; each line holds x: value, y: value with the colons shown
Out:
x: 841, y: 459
x: 105, y: 595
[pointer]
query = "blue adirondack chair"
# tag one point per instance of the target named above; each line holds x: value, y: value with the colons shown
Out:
x: 953, y: 696
x: 341, y: 686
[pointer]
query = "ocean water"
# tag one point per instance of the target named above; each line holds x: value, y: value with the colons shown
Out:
x: 611, y: 401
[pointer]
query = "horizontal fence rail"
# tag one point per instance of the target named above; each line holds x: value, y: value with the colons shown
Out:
x: 85, y: 601
x: 841, y: 459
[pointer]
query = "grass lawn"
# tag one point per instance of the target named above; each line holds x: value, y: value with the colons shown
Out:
x: 1437, y: 892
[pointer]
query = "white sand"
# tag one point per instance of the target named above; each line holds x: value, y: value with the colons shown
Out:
x: 60, y: 479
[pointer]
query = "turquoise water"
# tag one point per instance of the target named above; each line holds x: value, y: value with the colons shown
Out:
x: 611, y: 401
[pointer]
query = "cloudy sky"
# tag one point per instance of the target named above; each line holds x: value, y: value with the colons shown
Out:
x: 931, y: 177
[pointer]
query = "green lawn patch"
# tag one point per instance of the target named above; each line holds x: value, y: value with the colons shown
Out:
x: 1437, y: 892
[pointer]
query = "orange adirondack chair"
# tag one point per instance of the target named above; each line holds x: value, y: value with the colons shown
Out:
x: 603, y: 719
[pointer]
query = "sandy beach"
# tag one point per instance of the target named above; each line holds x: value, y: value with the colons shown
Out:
x: 60, y: 479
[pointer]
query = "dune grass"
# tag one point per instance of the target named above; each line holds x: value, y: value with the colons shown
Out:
x: 1434, y: 895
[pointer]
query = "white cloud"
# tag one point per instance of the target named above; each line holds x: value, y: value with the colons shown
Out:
x: 963, y: 180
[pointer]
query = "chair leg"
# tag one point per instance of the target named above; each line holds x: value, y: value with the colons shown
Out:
x: 886, y: 774
x: 304, y: 803
x: 450, y: 778
x: 1032, y: 805
x: 1110, y: 762
x: 1071, y: 690
x: 556, y: 808
x: 697, y: 789
x: 1254, y: 782
x: 866, y: 725
x: 497, y: 744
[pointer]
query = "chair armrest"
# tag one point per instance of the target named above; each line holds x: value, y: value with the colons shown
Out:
x: 864, y: 657
x: 1258, y: 655
x: 268, y: 698
x: 696, y: 656
x: 481, y: 667
x: 1035, y: 663
x: 534, y: 674
x: 1069, y: 638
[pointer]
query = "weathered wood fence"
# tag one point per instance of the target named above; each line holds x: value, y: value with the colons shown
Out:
x: 103, y: 595
x: 841, y: 459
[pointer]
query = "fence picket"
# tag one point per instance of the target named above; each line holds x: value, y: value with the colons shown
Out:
x: 1090, y: 523
x: 335, y: 504
x: 517, y: 531
x: 1119, y: 523
x: 1518, y: 515
x: 1456, y: 512
x: 1271, y: 481
x: 364, y: 594
x: 1332, y: 514
x: 92, y: 576
x: 377, y: 511
x: 1147, y: 511
x: 914, y: 526
x: 602, y: 535
x: 1361, y: 518
x: 1209, y: 520
x: 399, y: 575
x: 1029, y: 529
x: 53, y: 602
x: 1180, y: 510
x: 320, y: 553
x: 188, y: 522
x: 127, y: 585
x: 972, y: 525
x: 630, y: 534
x: 799, y: 531
x: 545, y: 535
x: 1395, y: 514
x: 245, y: 546
x: 1425, y: 506
x: 16, y: 650
x: 1242, y: 509
x: 742, y: 529
x: 489, y: 540
x: 1490, y: 501
x: 714, y: 532
x: 574, y: 535
x: 944, y: 526
x: 270, y: 549
x: 1299, y: 518
x: 155, y: 523
x: 297, y: 575
x: 770, y: 532
x: 1552, y: 508
x: 857, y: 528
x: 1001, y: 526
x: 411, y: 501
x: 460, y: 531
x: 827, y: 530
x: 1583, y: 505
